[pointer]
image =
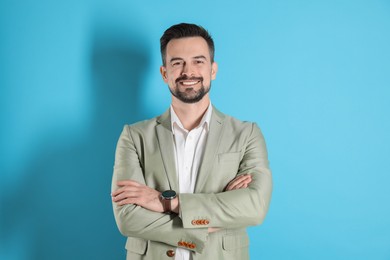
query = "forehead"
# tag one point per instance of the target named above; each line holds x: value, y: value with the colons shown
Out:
x: 187, y: 47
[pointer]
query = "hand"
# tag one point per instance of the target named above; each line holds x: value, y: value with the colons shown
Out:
x: 132, y: 192
x: 240, y: 182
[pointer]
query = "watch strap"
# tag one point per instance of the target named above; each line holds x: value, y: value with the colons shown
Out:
x: 166, y: 198
x: 166, y: 205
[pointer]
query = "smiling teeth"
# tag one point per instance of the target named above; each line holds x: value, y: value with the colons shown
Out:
x: 189, y: 83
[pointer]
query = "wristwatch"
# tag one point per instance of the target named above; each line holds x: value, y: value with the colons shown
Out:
x: 166, y: 197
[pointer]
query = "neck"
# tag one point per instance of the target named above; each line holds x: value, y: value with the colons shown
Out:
x: 190, y: 115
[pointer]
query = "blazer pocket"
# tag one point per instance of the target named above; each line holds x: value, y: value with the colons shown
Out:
x: 233, y: 242
x: 136, y: 245
x: 229, y: 157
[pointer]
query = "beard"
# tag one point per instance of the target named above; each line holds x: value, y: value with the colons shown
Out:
x: 189, y: 95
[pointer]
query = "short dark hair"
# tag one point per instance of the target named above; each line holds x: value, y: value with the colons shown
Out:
x: 184, y: 30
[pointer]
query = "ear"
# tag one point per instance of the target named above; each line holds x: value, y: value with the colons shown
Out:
x: 214, y: 70
x: 163, y: 72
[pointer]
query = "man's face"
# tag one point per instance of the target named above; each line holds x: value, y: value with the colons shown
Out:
x: 188, y: 70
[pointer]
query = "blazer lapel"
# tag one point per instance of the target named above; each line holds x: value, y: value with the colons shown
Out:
x: 166, y: 144
x: 211, y: 149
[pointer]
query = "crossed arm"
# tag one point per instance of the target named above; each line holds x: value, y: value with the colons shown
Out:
x: 132, y: 192
x: 138, y: 209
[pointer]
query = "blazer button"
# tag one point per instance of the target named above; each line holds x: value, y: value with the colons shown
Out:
x: 206, y: 222
x: 193, y: 222
x: 170, y: 253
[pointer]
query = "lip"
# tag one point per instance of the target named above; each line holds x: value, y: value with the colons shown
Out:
x: 189, y: 83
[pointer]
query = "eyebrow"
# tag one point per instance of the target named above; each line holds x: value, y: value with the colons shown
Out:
x: 180, y: 59
x: 174, y: 59
x: 200, y: 57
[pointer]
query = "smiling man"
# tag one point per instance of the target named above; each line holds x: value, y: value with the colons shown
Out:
x: 186, y: 75
x: 187, y: 183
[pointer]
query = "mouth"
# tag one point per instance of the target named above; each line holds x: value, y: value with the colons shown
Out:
x: 189, y: 83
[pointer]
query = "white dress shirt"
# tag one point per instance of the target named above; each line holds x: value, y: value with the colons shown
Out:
x: 189, y: 148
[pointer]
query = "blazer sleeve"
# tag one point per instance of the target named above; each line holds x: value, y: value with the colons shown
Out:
x: 135, y: 221
x: 237, y: 208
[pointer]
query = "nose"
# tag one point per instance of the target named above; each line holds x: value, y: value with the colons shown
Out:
x: 187, y: 70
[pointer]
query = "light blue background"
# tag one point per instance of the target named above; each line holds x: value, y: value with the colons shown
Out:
x: 315, y: 75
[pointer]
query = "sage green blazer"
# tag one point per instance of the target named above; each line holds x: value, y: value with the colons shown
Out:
x: 145, y: 153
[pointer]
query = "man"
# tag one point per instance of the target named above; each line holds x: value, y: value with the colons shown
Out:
x: 187, y: 183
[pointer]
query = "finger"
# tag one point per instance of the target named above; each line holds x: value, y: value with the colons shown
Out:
x: 126, y: 202
x: 127, y: 183
x: 241, y: 178
x: 244, y: 183
x: 246, y: 180
x: 121, y: 190
x: 126, y: 195
x: 117, y: 192
x: 239, y: 186
x: 236, y: 186
x: 238, y: 180
x: 239, y: 183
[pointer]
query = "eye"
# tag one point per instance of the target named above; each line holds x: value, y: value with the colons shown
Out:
x: 177, y: 63
x: 199, y: 61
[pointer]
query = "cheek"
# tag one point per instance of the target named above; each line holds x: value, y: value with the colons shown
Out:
x: 207, y: 76
x: 173, y: 74
x: 171, y: 81
x: 169, y: 77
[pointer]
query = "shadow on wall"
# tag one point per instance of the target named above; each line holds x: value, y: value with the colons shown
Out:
x: 62, y: 210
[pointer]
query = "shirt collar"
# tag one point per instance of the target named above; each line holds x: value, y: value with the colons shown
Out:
x: 204, y: 122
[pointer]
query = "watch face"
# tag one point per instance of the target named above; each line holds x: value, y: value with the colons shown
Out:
x: 169, y: 194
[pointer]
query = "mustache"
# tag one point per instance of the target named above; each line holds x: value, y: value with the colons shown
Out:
x: 188, y: 78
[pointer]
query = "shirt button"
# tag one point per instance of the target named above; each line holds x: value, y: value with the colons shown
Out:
x: 170, y: 253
